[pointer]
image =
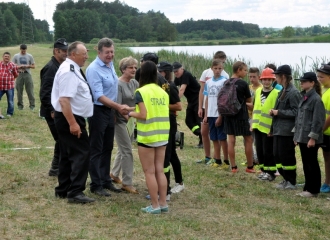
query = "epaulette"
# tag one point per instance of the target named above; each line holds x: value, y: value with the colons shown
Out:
x: 71, y: 68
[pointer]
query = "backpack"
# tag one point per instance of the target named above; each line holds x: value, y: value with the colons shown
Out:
x: 228, y: 104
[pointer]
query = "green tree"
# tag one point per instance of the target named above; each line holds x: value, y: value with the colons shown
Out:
x: 288, y: 32
x: 11, y: 24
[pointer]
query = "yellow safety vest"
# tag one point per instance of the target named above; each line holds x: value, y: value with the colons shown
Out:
x: 157, y: 124
x: 326, y: 102
x: 261, y: 118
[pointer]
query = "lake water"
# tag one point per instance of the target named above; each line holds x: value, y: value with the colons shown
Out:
x: 259, y: 55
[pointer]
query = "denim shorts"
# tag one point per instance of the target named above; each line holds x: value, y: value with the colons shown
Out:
x: 216, y: 133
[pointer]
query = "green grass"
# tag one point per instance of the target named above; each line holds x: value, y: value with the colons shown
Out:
x: 214, y: 205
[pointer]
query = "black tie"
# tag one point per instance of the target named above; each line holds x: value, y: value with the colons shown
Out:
x: 90, y: 90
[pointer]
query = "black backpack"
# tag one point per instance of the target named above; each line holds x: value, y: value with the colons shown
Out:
x: 228, y: 104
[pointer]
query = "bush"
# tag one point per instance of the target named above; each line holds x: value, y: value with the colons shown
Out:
x: 94, y: 41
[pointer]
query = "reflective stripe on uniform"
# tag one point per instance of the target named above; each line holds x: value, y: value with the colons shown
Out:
x: 195, y: 128
x: 153, y: 120
x: 289, y: 167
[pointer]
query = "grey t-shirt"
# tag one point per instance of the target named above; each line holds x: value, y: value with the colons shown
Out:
x: 126, y: 91
x: 25, y: 59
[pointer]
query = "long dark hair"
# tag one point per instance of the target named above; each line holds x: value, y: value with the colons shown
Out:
x: 318, y: 88
x: 288, y: 79
x: 148, y: 73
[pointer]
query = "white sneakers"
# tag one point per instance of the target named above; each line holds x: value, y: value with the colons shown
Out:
x: 177, y: 188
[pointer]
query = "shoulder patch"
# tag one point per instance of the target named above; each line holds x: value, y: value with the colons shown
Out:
x: 71, y: 68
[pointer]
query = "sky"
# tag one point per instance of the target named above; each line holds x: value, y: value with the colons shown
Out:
x: 265, y: 13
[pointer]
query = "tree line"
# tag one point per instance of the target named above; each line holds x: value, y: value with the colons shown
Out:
x: 11, y: 19
x: 88, y: 19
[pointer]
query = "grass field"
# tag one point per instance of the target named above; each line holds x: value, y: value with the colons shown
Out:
x: 215, y: 204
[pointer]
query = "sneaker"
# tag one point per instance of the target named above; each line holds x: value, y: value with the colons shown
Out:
x: 168, y: 197
x: 151, y: 210
x: 9, y: 116
x: 289, y: 186
x: 2, y: 117
x: 328, y: 198
x: 164, y: 209
x: 234, y: 170
x: 215, y: 165
x: 281, y: 185
x: 205, y: 160
x: 261, y: 175
x: 224, y: 166
x: 244, y: 163
x: 210, y: 162
x: 268, y: 177
x: 199, y: 145
x: 307, y: 194
x: 325, y: 188
x: 177, y: 188
x: 248, y: 170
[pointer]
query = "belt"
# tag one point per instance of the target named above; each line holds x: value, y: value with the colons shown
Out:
x: 24, y: 72
x: 101, y: 106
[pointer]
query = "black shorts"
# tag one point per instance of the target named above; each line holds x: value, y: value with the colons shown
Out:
x: 326, y: 143
x: 146, y: 146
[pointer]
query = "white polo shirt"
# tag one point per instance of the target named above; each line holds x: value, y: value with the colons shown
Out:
x: 72, y: 84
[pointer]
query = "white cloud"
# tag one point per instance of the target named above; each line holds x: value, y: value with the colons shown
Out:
x: 265, y: 13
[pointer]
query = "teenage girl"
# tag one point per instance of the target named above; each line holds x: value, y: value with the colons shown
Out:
x: 309, y: 133
x: 284, y: 114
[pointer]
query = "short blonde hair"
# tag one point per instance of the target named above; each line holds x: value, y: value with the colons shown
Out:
x: 127, y: 61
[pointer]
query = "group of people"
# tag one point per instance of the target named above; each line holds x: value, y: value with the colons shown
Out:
x: 273, y: 116
x: 16, y: 73
x: 112, y: 107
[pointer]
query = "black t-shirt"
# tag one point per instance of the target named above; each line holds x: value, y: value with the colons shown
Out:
x: 264, y: 96
x: 243, y: 93
x: 192, y: 89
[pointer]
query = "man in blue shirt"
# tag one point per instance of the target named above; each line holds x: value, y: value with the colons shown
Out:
x: 103, y: 82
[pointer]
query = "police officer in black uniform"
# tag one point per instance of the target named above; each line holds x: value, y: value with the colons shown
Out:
x: 47, y: 75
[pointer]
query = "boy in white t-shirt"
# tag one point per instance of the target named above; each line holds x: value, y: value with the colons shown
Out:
x: 207, y: 75
x: 212, y: 117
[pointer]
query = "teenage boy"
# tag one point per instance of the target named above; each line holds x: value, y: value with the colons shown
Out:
x: 238, y: 125
x: 265, y: 99
x: 189, y: 87
x: 207, y: 75
x: 323, y: 76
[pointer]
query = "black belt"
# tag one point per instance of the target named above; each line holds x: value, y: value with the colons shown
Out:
x: 24, y: 72
x: 101, y: 106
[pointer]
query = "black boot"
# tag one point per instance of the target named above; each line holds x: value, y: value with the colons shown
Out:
x: 53, y: 171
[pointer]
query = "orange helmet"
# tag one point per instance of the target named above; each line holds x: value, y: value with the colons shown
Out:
x: 267, y: 73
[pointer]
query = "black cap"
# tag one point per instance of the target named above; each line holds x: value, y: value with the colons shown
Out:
x: 308, y: 76
x: 325, y: 68
x: 284, y: 69
x: 61, y: 44
x: 176, y: 66
x: 164, y: 66
x: 150, y: 57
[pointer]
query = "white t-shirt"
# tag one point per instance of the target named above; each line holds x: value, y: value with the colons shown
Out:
x: 72, y: 84
x: 207, y: 75
x: 212, y: 90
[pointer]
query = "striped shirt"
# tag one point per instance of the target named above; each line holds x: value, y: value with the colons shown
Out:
x: 8, y: 73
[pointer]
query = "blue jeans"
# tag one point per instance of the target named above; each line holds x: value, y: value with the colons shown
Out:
x: 10, y: 100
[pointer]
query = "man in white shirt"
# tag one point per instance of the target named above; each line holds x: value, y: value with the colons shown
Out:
x: 72, y: 101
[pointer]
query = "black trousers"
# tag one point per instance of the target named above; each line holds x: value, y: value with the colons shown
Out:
x: 171, y: 155
x: 264, y: 149
x: 101, y: 135
x: 74, y: 157
x: 311, y: 168
x: 284, y: 154
x: 51, y: 125
x: 193, y: 121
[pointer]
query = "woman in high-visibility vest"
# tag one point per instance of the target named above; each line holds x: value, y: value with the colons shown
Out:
x: 152, y: 114
x: 323, y: 76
